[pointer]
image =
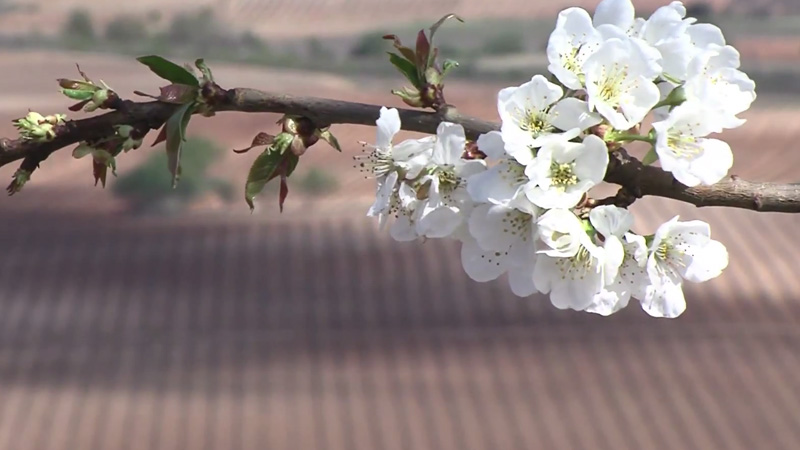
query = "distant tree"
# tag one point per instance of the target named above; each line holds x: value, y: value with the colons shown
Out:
x: 506, y: 42
x: 369, y: 44
x: 79, y: 25
x: 126, y: 28
x: 147, y: 186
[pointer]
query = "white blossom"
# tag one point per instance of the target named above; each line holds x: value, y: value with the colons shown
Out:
x: 619, y: 82
x: 504, y: 180
x: 532, y: 115
x: 571, y: 43
x: 390, y: 164
x: 503, y: 240
x: 447, y: 204
x: 715, y: 81
x: 563, y: 171
x: 684, y: 149
x: 618, y: 13
x: 667, y: 31
x: 680, y: 250
x: 612, y: 223
x: 573, y: 269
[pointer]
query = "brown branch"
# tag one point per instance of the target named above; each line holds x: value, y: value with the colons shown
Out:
x: 636, y: 179
x: 640, y: 180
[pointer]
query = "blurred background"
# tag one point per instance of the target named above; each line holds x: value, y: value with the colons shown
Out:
x: 138, y: 317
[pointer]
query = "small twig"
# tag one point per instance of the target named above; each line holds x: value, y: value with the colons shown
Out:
x: 636, y: 179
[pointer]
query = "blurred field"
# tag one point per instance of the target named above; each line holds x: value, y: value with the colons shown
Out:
x: 221, y: 329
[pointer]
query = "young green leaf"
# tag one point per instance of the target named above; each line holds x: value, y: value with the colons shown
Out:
x: 406, y: 67
x: 77, y: 94
x: 405, y: 51
x: 168, y: 70
x: 201, y: 64
x: 433, y: 30
x: 439, y: 23
x: 328, y: 137
x: 176, y: 136
x: 448, y: 65
x: 650, y: 157
x: 264, y: 168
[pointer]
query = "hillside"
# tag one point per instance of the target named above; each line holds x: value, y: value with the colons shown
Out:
x: 302, y: 18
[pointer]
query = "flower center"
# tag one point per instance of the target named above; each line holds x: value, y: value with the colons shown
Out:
x: 563, y: 175
x: 536, y: 122
x: 576, y: 267
x: 684, y: 146
x: 448, y: 180
x: 610, y: 88
x: 570, y: 60
x: 376, y: 163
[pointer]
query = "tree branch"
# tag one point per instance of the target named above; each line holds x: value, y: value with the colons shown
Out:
x: 636, y: 179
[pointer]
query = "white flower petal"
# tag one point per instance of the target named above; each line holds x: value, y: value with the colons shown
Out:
x: 520, y: 279
x: 481, y: 265
x: 665, y: 300
x: 449, y: 146
x: 611, y: 220
x: 572, y: 113
x: 388, y: 124
x: 492, y: 145
x: 614, y: 12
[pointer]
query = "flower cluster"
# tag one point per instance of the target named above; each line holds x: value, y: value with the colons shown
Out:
x: 521, y: 207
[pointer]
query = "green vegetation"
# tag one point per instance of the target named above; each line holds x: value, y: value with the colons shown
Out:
x: 78, y: 30
x: 126, y: 29
x: 317, y: 182
x: 370, y: 45
x: 507, y: 42
x: 507, y: 50
x: 149, y: 187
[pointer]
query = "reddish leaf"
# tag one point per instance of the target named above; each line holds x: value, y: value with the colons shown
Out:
x: 284, y: 192
x: 162, y: 136
x: 177, y: 94
x: 78, y: 106
x: 100, y: 170
x: 145, y: 94
x: 405, y: 51
x: 260, y: 139
x: 423, y: 51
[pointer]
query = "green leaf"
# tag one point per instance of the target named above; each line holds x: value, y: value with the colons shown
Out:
x: 291, y: 163
x: 328, y: 137
x: 406, y: 67
x: 264, y: 168
x: 439, y: 23
x: 168, y: 70
x: 176, y: 136
x: 77, y: 94
x: 650, y: 157
x: 207, y: 76
x: 82, y: 150
x: 448, y: 65
x: 405, y: 51
x: 433, y: 30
